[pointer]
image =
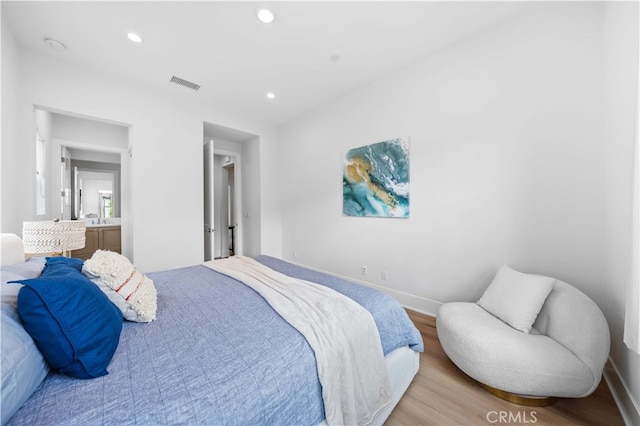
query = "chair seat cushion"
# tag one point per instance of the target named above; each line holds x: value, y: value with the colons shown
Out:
x: 492, y: 352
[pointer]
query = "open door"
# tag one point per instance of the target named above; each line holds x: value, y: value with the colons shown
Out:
x: 209, y: 219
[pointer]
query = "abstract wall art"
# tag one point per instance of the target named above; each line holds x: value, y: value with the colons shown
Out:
x: 375, y: 180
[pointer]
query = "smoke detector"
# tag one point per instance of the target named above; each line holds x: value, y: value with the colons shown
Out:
x: 54, y: 44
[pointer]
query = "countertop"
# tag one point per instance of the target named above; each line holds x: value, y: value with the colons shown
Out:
x: 103, y: 225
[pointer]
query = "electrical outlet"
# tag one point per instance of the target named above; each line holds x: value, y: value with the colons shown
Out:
x: 363, y: 270
x: 384, y: 275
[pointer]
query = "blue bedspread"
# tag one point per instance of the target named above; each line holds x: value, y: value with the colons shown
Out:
x: 217, y: 354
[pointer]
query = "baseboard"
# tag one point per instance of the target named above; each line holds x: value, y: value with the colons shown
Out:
x: 410, y: 301
x: 628, y: 407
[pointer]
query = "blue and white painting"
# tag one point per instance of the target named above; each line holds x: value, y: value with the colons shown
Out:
x: 375, y: 180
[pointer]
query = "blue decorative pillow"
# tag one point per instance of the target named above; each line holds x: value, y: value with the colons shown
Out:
x: 73, y: 323
x: 58, y: 263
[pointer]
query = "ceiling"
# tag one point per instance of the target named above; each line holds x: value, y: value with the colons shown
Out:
x: 237, y: 59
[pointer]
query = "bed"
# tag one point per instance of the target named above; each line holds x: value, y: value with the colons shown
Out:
x: 217, y: 353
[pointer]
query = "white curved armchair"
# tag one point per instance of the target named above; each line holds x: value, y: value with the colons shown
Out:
x: 563, y: 356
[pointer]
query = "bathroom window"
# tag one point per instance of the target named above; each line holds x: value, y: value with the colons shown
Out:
x: 106, y: 203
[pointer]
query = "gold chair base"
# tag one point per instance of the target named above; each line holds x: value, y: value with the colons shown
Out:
x: 519, y: 399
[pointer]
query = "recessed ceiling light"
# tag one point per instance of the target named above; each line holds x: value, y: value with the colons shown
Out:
x: 265, y: 16
x: 271, y: 96
x: 134, y: 37
x: 335, y: 58
x: 54, y: 44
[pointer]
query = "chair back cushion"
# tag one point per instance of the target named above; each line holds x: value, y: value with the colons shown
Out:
x: 571, y: 318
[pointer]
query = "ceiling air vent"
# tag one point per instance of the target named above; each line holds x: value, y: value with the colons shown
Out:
x: 185, y: 83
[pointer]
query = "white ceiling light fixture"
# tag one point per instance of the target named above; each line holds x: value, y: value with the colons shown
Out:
x: 134, y: 37
x: 54, y: 44
x: 271, y: 96
x: 265, y: 16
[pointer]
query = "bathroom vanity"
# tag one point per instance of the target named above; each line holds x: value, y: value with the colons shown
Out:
x: 100, y: 237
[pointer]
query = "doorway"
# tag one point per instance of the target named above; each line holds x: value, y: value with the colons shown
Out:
x: 223, y: 191
x: 88, y: 165
x: 222, y: 196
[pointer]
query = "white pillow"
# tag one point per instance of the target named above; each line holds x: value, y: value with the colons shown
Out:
x: 516, y: 298
x: 130, y: 290
x: 11, y: 249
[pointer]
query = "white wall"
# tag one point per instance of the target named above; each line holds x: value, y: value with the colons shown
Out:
x: 9, y: 216
x: 499, y: 170
x: 93, y: 132
x: 166, y: 129
x: 621, y: 59
x: 253, y: 200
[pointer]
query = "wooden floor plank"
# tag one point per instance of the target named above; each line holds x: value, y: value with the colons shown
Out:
x: 442, y: 395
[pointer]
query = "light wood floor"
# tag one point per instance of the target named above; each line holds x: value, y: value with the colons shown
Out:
x: 441, y: 394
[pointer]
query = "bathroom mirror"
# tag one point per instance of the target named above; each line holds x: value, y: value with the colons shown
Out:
x: 95, y: 188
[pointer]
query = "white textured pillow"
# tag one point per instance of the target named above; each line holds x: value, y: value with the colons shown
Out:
x: 130, y: 290
x: 516, y: 298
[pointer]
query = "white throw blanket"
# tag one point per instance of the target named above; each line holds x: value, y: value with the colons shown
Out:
x: 343, y: 335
